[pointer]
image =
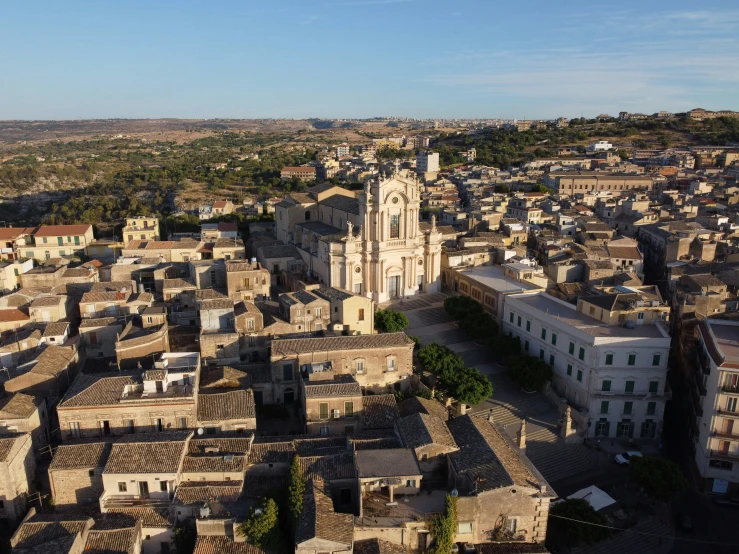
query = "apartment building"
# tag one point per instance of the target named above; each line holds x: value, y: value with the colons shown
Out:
x: 572, y: 183
x: 53, y: 241
x: 11, y: 272
x: 247, y: 280
x: 304, y: 173
x: 717, y: 380
x: 140, y: 228
x: 427, y: 162
x: 609, y: 356
x: 13, y: 241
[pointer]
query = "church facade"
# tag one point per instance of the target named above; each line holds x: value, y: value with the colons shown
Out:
x: 369, y: 243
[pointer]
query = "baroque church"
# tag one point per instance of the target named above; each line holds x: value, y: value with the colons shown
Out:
x: 371, y: 243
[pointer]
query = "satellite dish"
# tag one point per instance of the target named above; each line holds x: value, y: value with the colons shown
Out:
x: 455, y: 493
x: 200, y: 431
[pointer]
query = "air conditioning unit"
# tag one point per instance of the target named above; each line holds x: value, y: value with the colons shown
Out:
x: 336, y: 414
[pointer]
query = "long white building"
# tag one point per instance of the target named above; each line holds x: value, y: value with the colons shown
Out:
x: 717, y: 448
x: 609, y: 356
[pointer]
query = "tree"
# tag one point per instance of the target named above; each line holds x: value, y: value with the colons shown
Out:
x: 185, y: 536
x: 466, y: 384
x: 459, y: 306
x: 660, y: 478
x: 471, y: 386
x: 479, y: 326
x: 439, y: 359
x: 296, y: 490
x: 529, y: 372
x: 443, y: 527
x: 390, y: 321
x: 571, y: 533
x: 262, y: 527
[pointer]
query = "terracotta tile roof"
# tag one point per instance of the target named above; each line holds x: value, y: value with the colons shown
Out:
x: 238, y: 404
x: 145, y: 457
x: 237, y: 445
x: 224, y: 545
x: 17, y: 406
x: 56, y: 329
x: 215, y: 463
x: 209, y: 294
x: 194, y: 492
x: 375, y: 439
x: 288, y: 347
x: 217, y: 304
x: 105, y: 297
x: 47, y: 301
x: 34, y: 533
x: 6, y: 445
x: 53, y: 360
x: 149, y: 517
x: 328, y: 468
x: 178, y: 284
x: 6, y: 316
x: 77, y: 456
x: 11, y: 233
x: 319, y: 521
x: 111, y: 286
x: 155, y: 375
x: 76, y: 272
x: 116, y: 541
x: 380, y: 411
x: 61, y: 230
x: 101, y: 389
x: 417, y: 404
x: 223, y: 377
x: 99, y: 322
x: 378, y: 546
x: 422, y: 429
x: 486, y: 457
x: 342, y: 385
x: 281, y: 449
x: 510, y: 548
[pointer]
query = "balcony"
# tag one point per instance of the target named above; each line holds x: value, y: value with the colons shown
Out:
x: 729, y: 389
x: 724, y: 435
x: 726, y: 413
x: 636, y: 395
x: 720, y: 455
x: 112, y: 501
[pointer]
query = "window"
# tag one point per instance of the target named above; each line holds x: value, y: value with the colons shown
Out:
x: 410, y: 483
x: 74, y: 429
x: 182, y: 423
x: 606, y: 386
x: 323, y: 430
x: 569, y: 369
x: 359, y: 365
x: 543, y: 334
x: 581, y: 353
x: 655, y: 359
x: 250, y: 325
x: 93, y: 336
x: 629, y: 389
x: 361, y: 315
x: 541, y: 353
x: 323, y: 410
x: 653, y: 387
x: 721, y: 464
x: 579, y: 375
x: 604, y: 407
x: 731, y: 405
x: 317, y: 312
x: 526, y: 346
x: 391, y: 363
x: 91, y: 473
x: 394, y: 226
x: 287, y: 372
x: 571, y: 349
x: 511, y: 524
x: 307, y: 216
x: 628, y: 406
x: 632, y: 359
x: 651, y: 408
x: 464, y: 528
x: 519, y: 321
x: 551, y: 360
x: 609, y: 359
x: 554, y: 339
x: 528, y: 325
x: 349, y: 409
x: 510, y: 318
x: 130, y: 426
x: 122, y: 487
x: 602, y: 428
x: 163, y: 486
x: 211, y: 430
x: 158, y: 425
x: 60, y: 241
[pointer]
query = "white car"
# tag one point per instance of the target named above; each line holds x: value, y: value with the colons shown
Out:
x: 625, y: 458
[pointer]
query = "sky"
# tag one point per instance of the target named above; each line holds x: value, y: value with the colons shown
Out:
x: 523, y: 59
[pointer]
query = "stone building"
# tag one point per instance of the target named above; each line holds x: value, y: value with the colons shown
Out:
x: 47, y: 309
x: 330, y: 405
x: 17, y: 468
x: 76, y: 473
x: 48, y: 375
x: 370, y: 244
x: 352, y: 313
x: 429, y: 439
x: 139, y: 342
x: 305, y: 311
x: 377, y: 362
x: 247, y: 281
x: 21, y: 413
x: 232, y: 410
x: 99, y: 336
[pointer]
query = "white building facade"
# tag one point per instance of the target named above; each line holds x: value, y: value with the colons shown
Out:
x: 427, y: 162
x: 615, y: 375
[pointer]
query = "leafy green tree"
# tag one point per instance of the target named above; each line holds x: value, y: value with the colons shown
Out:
x: 660, y: 478
x: 296, y: 490
x: 443, y: 527
x: 529, y: 372
x: 471, y: 387
x: 262, y: 529
x: 185, y: 536
x: 460, y: 306
x: 465, y: 384
x: 479, y: 326
x: 390, y: 321
x: 505, y: 346
x: 438, y: 359
x: 561, y: 531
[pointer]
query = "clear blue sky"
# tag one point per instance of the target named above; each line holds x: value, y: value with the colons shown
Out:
x: 363, y: 58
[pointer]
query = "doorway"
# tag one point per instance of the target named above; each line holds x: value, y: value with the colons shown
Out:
x: 393, y: 286
x: 143, y: 489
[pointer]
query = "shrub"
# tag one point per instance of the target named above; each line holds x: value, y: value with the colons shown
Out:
x: 529, y: 372
x: 572, y: 533
x: 660, y: 478
x: 262, y: 529
x: 443, y: 527
x: 390, y: 321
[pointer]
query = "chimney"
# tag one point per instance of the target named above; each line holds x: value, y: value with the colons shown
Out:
x: 521, y: 435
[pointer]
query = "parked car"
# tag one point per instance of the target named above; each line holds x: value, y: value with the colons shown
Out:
x: 625, y: 458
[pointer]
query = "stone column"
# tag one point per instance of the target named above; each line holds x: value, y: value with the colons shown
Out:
x: 567, y: 423
x: 521, y: 435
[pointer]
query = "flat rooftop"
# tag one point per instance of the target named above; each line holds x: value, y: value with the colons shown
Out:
x: 568, y: 314
x: 493, y: 276
x: 726, y: 334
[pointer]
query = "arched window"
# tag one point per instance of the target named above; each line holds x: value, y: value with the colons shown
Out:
x: 394, y: 226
